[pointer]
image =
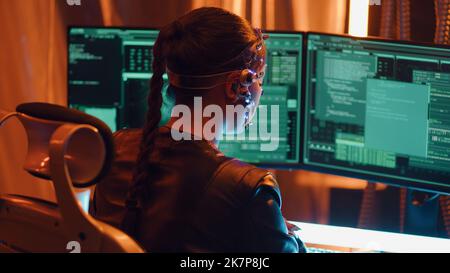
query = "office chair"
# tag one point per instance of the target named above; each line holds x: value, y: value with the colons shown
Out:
x: 74, y: 151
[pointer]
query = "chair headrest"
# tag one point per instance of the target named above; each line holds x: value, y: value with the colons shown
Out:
x: 59, y: 113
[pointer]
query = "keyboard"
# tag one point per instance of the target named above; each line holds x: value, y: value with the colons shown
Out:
x: 334, y: 239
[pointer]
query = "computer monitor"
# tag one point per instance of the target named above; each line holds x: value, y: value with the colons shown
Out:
x: 109, y: 71
x: 378, y: 110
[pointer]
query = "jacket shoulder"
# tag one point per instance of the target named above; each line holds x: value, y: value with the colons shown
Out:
x: 245, y: 180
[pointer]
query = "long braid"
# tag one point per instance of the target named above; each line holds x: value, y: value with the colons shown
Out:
x: 138, y: 189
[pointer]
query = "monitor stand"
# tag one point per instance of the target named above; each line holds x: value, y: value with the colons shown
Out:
x: 422, y: 214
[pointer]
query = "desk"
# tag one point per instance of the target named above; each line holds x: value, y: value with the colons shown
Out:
x: 360, y: 240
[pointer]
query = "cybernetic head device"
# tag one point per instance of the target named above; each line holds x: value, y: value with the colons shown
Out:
x: 252, y: 60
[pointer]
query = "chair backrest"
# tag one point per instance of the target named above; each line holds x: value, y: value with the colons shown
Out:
x: 74, y: 151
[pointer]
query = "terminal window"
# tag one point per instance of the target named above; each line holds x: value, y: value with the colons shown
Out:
x: 378, y: 108
x: 109, y: 72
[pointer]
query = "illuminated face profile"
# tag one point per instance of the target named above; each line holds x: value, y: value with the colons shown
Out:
x: 250, y: 105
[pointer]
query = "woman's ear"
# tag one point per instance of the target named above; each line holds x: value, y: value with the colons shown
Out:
x: 231, y: 91
x: 232, y: 87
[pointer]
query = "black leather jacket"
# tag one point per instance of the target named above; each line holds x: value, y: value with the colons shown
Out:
x: 200, y: 201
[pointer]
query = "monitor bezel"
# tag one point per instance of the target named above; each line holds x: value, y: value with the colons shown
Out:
x: 393, y: 181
